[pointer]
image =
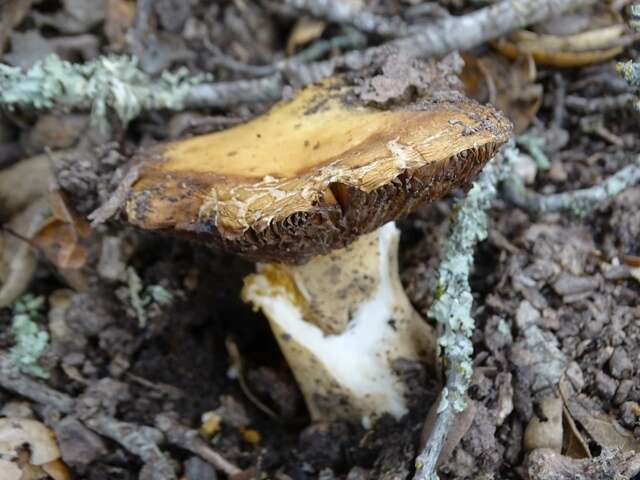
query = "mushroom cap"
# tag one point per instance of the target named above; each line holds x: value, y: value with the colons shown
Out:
x: 313, y: 173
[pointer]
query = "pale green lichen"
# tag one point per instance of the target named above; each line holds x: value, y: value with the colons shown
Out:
x: 30, y: 340
x: 142, y: 298
x: 107, y: 83
x: 452, y: 307
x: 630, y: 70
x: 534, y: 144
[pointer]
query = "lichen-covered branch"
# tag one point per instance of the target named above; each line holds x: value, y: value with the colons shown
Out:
x: 118, y: 84
x: 107, y: 83
x: 578, y: 202
x: 452, y: 307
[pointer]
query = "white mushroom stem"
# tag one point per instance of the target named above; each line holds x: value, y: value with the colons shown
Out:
x: 345, y: 325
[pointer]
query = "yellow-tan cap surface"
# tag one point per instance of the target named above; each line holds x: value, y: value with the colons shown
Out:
x: 313, y: 173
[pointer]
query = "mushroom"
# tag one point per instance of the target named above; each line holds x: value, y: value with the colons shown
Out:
x: 311, y: 190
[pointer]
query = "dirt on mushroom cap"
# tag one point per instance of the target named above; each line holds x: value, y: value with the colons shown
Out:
x: 313, y: 173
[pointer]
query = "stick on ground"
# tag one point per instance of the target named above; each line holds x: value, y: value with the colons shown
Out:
x: 452, y: 308
x: 579, y: 202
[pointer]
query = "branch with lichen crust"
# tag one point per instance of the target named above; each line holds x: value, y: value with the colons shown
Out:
x: 578, y: 202
x: 452, y: 307
x: 107, y: 83
x: 118, y: 83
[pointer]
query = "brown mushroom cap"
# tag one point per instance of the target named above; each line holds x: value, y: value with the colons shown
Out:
x: 313, y: 173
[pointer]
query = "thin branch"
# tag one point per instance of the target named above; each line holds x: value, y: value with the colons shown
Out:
x: 452, y: 307
x: 227, y: 94
x: 11, y: 379
x: 140, y: 440
x: 467, y: 31
x: 96, y: 86
x: 190, y: 440
x: 339, y: 11
x: 350, y: 40
x: 579, y: 202
x: 600, y: 104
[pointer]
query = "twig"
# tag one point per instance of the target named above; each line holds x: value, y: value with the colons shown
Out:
x: 70, y: 86
x: 11, y: 379
x: 140, y: 440
x: 452, y: 308
x: 108, y: 83
x: 339, y: 11
x: 226, y: 94
x: 600, y: 104
x: 578, y: 202
x: 467, y: 31
x: 351, y: 39
x: 190, y: 440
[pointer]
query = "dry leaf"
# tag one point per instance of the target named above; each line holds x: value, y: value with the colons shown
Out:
x: 601, y: 427
x: 119, y: 18
x: 34, y: 176
x: 305, y: 31
x: 17, y: 258
x: 66, y: 240
x: 461, y: 424
x: 574, y: 444
x: 600, y: 36
x: 509, y: 85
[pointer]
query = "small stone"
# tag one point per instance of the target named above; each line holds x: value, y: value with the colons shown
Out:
x: 326, y: 474
x: 17, y: 409
x: 112, y: 264
x: 526, y: 316
x: 526, y: 168
x: 568, y: 284
x: 232, y: 412
x: 624, y: 391
x: 605, y: 385
x: 78, y: 445
x: 358, y: 473
x: 620, y: 365
x: 575, y: 376
x: 545, y: 432
x: 557, y: 172
x: 197, y: 469
x: 602, y: 356
x: 629, y: 412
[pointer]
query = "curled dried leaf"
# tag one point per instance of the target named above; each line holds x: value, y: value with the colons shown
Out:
x: 599, y: 37
x: 66, y: 241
